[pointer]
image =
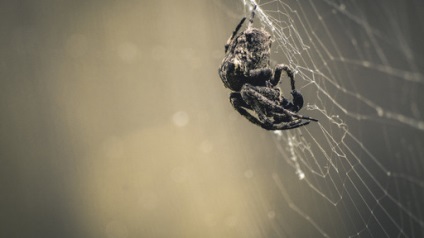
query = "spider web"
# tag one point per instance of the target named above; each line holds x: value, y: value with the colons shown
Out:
x: 360, y: 169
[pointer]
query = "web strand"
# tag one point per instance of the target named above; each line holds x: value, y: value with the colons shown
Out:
x: 344, y: 63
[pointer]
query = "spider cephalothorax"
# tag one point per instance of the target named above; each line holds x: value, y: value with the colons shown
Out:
x: 246, y: 70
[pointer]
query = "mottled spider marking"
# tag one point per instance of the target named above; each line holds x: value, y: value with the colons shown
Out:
x: 246, y: 71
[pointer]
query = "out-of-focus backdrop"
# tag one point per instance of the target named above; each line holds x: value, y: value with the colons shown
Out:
x: 114, y: 123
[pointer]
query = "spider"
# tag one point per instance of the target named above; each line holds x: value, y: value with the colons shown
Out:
x: 246, y: 70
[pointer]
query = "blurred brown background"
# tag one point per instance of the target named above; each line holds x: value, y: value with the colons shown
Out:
x: 114, y: 123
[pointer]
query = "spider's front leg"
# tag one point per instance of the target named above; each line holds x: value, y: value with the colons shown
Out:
x: 266, y: 75
x: 277, y: 75
x: 234, y: 34
x: 259, y: 77
x: 297, y: 103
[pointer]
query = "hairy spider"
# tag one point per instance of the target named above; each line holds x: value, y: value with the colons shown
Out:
x: 246, y: 70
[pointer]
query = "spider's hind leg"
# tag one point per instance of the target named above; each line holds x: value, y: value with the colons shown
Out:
x: 240, y: 105
x: 277, y: 75
x: 297, y: 103
x: 290, y: 125
x: 263, y: 101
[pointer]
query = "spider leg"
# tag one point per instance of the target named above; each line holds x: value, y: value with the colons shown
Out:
x: 288, y: 125
x: 239, y: 26
x: 239, y: 104
x: 277, y: 75
x: 259, y: 76
x: 261, y: 105
x: 285, y: 120
x: 297, y: 102
x: 264, y: 107
x: 299, y: 116
x: 281, y: 121
x: 260, y: 99
x: 252, y: 15
x: 234, y: 34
